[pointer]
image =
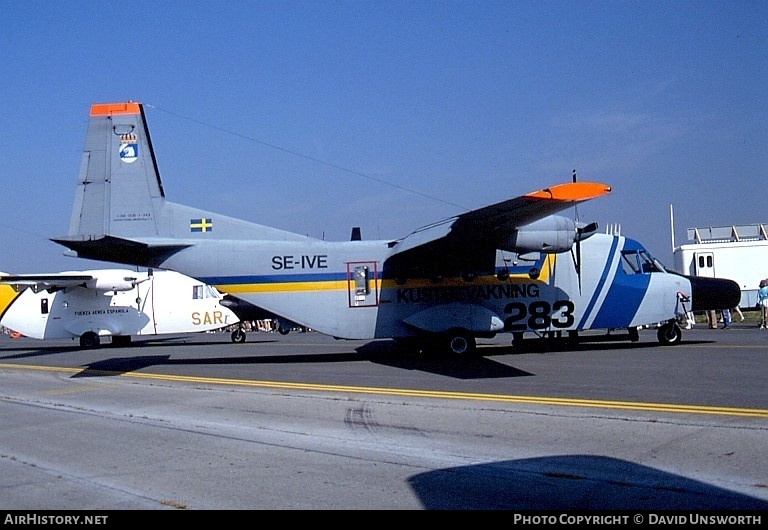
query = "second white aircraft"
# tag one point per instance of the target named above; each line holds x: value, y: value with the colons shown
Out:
x: 116, y: 303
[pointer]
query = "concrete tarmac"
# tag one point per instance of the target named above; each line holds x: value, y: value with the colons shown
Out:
x: 306, y: 422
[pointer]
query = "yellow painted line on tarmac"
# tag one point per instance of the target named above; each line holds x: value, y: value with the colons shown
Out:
x: 503, y: 398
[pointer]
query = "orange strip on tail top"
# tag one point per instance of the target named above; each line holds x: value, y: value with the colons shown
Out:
x: 110, y: 109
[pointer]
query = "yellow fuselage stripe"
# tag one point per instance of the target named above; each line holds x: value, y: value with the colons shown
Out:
x: 344, y: 285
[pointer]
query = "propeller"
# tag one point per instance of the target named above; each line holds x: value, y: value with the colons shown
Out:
x: 579, y: 235
x: 135, y: 281
x: 583, y: 231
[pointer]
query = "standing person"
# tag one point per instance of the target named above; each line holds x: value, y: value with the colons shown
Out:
x: 712, y: 319
x: 762, y: 301
x: 726, y: 318
x: 737, y: 309
x: 690, y: 320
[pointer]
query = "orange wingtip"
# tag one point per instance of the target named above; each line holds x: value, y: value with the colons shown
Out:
x: 110, y: 109
x: 572, y: 191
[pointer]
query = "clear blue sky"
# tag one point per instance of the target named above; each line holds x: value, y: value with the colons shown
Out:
x: 317, y: 116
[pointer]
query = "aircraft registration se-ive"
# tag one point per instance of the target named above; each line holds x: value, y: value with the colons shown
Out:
x: 442, y: 285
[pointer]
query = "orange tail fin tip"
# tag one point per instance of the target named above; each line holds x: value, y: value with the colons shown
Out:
x: 111, y: 109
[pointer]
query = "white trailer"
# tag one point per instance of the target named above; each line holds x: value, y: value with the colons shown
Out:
x: 739, y: 253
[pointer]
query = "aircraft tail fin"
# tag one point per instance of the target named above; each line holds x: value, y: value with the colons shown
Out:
x: 120, y: 202
x: 118, y: 153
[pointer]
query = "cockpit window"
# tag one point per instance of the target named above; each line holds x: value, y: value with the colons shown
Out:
x: 200, y: 292
x: 639, y: 262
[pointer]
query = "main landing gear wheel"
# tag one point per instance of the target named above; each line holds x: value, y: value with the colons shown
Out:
x: 238, y: 335
x: 89, y: 340
x: 121, y: 340
x: 670, y: 333
x: 461, y: 343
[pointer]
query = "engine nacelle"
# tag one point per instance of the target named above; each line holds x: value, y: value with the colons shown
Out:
x: 112, y: 280
x: 551, y: 235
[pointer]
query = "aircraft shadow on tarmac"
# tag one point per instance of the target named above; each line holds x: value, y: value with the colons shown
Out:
x: 472, y: 368
x: 571, y: 482
x: 383, y: 352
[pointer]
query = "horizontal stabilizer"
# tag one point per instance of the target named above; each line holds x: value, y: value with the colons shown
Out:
x: 120, y: 250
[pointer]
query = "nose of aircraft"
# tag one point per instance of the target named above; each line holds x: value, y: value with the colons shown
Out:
x: 713, y: 293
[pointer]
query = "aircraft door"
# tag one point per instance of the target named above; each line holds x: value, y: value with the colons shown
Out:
x: 361, y: 282
x: 704, y: 264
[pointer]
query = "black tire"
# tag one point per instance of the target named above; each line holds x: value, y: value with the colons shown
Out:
x: 89, y: 340
x: 461, y: 343
x: 121, y: 340
x: 238, y: 336
x: 283, y: 331
x: 669, y: 334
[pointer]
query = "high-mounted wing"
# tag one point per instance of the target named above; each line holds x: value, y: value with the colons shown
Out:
x: 523, y: 210
x: 522, y: 224
x: 103, y: 280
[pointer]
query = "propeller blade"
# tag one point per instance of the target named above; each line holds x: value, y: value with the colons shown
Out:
x: 583, y: 232
x: 578, y: 253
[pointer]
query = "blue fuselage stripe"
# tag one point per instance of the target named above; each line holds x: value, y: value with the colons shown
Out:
x: 274, y: 278
x: 600, y: 283
x: 623, y: 300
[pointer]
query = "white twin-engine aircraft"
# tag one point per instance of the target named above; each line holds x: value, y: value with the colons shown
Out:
x: 512, y: 267
x: 118, y: 303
